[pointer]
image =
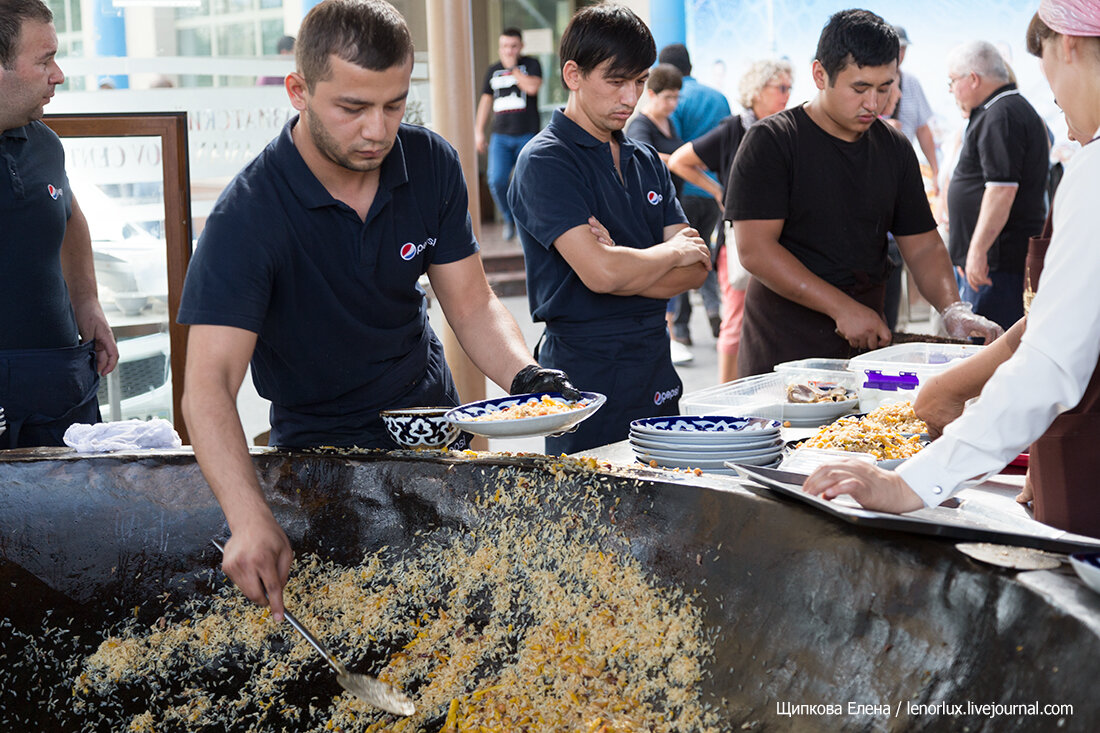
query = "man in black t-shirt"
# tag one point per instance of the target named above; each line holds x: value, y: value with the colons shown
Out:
x: 510, y: 95
x: 996, y: 200
x: 813, y: 193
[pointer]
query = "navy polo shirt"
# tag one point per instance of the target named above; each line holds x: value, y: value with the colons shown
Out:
x: 341, y: 322
x: 563, y: 176
x: 35, y: 205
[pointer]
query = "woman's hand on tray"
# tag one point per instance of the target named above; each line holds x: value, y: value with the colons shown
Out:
x: 873, y: 487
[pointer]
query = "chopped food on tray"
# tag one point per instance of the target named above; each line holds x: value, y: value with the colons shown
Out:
x: 888, y: 433
x: 813, y: 392
x: 898, y: 416
x: 534, y: 407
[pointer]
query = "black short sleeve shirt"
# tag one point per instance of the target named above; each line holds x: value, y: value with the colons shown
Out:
x: 644, y: 130
x: 838, y: 199
x: 334, y: 300
x: 35, y: 206
x: 563, y: 176
x: 514, y: 111
x: 1006, y: 142
x: 717, y: 149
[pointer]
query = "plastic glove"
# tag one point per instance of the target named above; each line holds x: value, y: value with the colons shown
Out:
x: 961, y: 322
x: 533, y: 378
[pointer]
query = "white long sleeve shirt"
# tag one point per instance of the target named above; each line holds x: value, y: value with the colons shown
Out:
x: 1051, y: 368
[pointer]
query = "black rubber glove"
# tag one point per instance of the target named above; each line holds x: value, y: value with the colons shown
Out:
x: 533, y: 378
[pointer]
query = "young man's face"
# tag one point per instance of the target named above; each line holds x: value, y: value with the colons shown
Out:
x: 510, y: 48
x: 856, y: 96
x: 26, y: 88
x: 606, y: 101
x: 353, y: 116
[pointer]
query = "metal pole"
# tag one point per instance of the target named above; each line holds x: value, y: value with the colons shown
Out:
x: 451, y: 78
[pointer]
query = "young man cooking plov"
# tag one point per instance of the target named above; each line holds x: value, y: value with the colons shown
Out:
x: 308, y: 267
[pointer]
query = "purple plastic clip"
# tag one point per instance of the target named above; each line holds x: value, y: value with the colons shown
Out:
x: 889, y: 383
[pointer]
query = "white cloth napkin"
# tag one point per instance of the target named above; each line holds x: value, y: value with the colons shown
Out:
x: 105, y: 437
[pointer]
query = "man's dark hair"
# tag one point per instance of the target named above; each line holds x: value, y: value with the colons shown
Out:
x: 368, y: 33
x: 857, y: 36
x: 598, y: 33
x: 513, y: 32
x: 285, y: 44
x: 677, y: 55
x: 664, y: 76
x: 13, y: 13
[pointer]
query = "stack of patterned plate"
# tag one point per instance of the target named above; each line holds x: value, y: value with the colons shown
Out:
x: 706, y: 442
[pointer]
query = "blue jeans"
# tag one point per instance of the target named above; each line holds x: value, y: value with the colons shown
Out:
x: 1002, y: 302
x: 503, y: 153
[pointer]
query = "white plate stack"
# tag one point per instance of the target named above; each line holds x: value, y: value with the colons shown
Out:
x: 816, y: 414
x: 706, y: 442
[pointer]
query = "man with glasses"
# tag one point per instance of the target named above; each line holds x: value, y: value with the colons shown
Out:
x: 996, y: 199
x: 815, y: 189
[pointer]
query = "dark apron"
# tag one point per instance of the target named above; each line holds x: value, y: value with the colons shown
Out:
x: 354, y: 424
x: 631, y: 366
x: 1036, y: 255
x: 44, y: 391
x: 775, y: 330
x: 1063, y: 464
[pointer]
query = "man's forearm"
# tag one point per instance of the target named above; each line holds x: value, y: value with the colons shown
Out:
x: 492, y: 339
x: 928, y: 147
x: 928, y: 262
x: 695, y: 175
x: 992, y: 217
x: 527, y: 84
x: 685, y: 163
x: 772, y: 264
x: 214, y: 427
x: 484, y: 107
x: 676, y: 281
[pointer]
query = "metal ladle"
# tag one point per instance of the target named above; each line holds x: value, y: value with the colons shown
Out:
x: 371, y: 690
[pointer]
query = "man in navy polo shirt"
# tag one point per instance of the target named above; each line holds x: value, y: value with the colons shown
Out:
x: 308, y: 266
x: 605, y: 241
x: 48, y: 294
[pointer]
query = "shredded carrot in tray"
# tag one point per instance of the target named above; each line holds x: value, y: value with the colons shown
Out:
x: 533, y: 407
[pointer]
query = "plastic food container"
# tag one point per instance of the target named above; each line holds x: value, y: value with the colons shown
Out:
x: 834, y: 371
x: 896, y: 373
x: 760, y: 396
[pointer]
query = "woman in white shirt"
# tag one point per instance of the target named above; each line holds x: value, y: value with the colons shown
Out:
x: 1050, y: 385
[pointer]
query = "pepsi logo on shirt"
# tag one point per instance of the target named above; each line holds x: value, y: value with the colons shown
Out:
x: 654, y: 198
x: 662, y: 397
x: 409, y: 250
x: 55, y: 193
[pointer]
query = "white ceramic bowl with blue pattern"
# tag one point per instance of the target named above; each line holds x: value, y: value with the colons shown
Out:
x: 1087, y: 567
x: 523, y: 427
x: 420, y: 427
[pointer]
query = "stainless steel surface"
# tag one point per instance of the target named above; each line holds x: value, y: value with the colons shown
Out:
x: 370, y: 689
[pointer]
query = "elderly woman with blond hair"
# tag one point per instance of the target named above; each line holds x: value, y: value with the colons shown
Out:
x: 765, y: 89
x: 1045, y: 383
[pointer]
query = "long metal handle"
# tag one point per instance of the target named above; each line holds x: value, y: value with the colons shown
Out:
x: 333, y: 661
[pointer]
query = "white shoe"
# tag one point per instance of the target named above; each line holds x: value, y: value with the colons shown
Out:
x: 680, y: 353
